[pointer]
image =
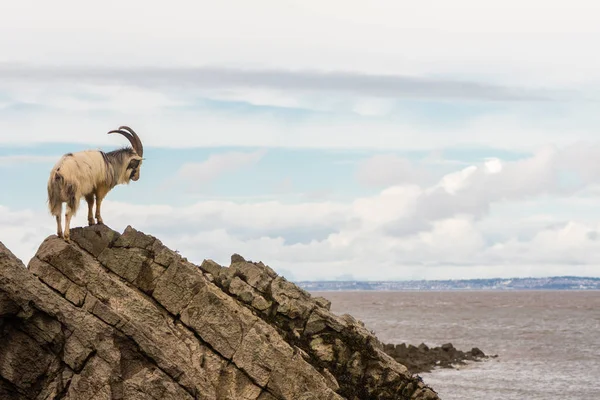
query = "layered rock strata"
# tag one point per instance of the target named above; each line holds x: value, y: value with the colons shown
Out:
x: 120, y: 316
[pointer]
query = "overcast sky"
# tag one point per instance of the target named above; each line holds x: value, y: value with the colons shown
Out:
x: 330, y: 140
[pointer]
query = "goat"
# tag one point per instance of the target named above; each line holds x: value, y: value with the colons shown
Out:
x: 91, y: 174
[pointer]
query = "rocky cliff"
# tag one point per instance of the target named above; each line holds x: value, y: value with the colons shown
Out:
x: 120, y: 316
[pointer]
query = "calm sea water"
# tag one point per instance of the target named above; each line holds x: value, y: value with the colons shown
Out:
x: 548, y: 342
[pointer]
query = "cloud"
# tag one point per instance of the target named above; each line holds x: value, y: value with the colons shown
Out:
x: 451, y: 247
x: 80, y: 96
x: 468, y: 39
x: 281, y: 108
x: 473, y: 190
x: 388, y: 169
x: 404, y: 231
x: 570, y: 243
x: 22, y: 231
x: 197, y: 174
x: 472, y: 82
x: 358, y: 84
x: 21, y: 159
x: 203, y: 126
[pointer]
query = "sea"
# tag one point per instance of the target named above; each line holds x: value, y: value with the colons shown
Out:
x: 547, y: 342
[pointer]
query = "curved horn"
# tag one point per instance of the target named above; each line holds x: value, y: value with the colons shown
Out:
x: 133, y: 139
x: 126, y: 134
x: 138, y: 147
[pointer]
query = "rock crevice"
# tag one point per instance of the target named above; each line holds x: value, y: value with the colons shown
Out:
x: 121, y: 316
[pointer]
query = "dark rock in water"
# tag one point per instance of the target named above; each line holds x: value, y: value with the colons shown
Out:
x: 424, y: 358
x: 448, y: 347
x: 120, y: 316
x: 477, y: 353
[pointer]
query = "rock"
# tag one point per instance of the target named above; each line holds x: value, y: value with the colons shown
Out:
x: 248, y: 295
x: 95, y: 238
x: 323, y: 302
x: 255, y: 275
x: 448, y: 347
x: 7, y: 306
x: 476, y: 352
x: 211, y: 267
x: 292, y: 301
x: 424, y: 358
x: 341, y: 344
x: 121, y: 316
x: 236, y: 258
x: 331, y: 381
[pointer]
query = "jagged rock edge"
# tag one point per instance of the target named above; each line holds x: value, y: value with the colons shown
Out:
x: 176, y: 317
x: 286, y: 335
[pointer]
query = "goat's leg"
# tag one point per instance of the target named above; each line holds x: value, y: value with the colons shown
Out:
x: 68, y: 215
x: 57, y: 211
x: 100, y: 194
x: 59, y: 231
x: 72, y: 204
x: 90, y: 201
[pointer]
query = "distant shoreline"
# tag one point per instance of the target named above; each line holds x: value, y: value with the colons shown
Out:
x: 558, y: 283
x: 448, y: 290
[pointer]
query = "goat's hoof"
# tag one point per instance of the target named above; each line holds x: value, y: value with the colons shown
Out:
x: 90, y: 223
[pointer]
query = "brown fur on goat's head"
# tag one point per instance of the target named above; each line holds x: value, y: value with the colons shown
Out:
x: 133, y: 169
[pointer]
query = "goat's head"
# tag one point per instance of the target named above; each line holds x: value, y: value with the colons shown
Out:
x: 134, y: 163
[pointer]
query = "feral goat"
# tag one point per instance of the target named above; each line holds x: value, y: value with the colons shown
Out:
x: 91, y: 174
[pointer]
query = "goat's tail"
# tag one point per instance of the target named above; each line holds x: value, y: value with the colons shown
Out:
x: 55, y: 186
x: 59, y: 191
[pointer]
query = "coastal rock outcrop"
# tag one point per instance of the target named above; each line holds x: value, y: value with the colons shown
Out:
x: 423, y: 358
x: 121, y: 316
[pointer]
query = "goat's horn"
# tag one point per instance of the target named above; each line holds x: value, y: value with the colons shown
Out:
x: 133, y: 139
x: 138, y: 148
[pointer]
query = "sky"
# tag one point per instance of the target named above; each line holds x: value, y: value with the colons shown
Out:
x: 380, y: 140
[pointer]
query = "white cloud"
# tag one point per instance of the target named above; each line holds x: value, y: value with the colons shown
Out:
x: 82, y: 95
x: 454, y: 182
x: 211, y: 128
x: 353, y: 69
x: 317, y: 99
x: 431, y: 37
x: 389, y: 169
x: 373, y: 107
x: 22, y: 231
x: 403, y: 232
x: 493, y: 166
x: 196, y: 174
x: 21, y: 159
x: 391, y: 203
x: 571, y: 244
x: 345, y: 116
